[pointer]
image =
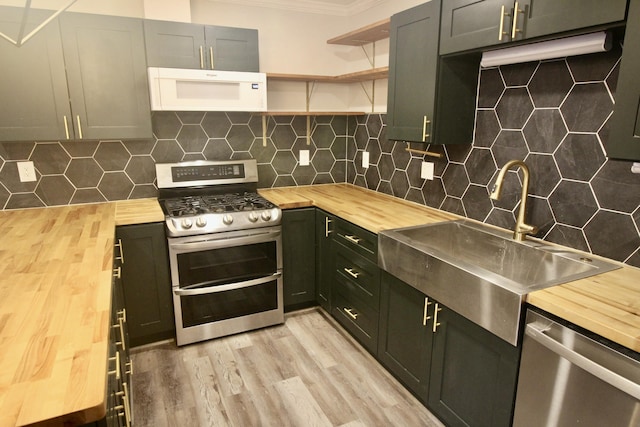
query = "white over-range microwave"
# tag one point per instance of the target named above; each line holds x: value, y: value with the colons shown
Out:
x: 176, y: 89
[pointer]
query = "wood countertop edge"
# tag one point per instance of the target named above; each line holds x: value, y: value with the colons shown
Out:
x: 580, y: 302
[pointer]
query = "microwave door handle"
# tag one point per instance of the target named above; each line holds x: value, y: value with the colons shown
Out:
x: 227, y: 287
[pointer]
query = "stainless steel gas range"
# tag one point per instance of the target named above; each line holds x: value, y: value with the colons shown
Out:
x: 225, y: 248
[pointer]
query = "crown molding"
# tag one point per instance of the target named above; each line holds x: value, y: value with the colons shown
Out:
x: 335, y: 8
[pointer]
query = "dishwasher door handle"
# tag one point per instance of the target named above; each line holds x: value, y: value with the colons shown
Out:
x: 616, y: 380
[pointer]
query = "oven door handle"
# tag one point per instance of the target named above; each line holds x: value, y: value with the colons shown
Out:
x: 227, y: 287
x: 252, y: 237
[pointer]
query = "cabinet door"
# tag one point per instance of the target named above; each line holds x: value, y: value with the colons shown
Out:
x: 232, y: 49
x: 174, y: 44
x: 543, y: 17
x: 146, y: 283
x: 298, y: 252
x: 473, y: 373
x: 325, y: 224
x: 107, y: 76
x: 413, y: 59
x: 624, y: 137
x: 470, y: 24
x: 405, y: 337
x: 33, y: 87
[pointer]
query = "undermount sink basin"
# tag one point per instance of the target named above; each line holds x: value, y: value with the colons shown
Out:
x: 479, y: 271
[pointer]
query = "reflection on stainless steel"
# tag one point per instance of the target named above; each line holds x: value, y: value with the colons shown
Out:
x: 567, y: 378
x: 521, y: 228
x: 478, y: 271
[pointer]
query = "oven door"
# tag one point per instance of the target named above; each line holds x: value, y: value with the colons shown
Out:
x: 226, y: 283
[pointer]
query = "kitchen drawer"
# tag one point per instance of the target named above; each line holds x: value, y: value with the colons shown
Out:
x: 360, y: 240
x: 358, y: 274
x: 360, y: 320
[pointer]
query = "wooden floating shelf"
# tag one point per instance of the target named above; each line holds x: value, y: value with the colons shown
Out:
x: 369, y: 34
x: 359, y: 76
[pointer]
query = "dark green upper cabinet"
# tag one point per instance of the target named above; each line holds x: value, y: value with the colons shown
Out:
x: 624, y: 137
x: 81, y: 77
x: 33, y: 88
x: 430, y: 99
x: 183, y: 45
x: 107, y: 76
x: 474, y: 24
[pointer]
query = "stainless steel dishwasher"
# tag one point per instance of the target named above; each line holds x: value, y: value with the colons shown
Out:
x: 569, y: 379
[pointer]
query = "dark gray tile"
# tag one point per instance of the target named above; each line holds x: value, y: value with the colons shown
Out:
x: 399, y: 184
x: 112, y: 156
x: 304, y: 175
x: 511, y: 191
x: 240, y: 137
x: 385, y: 166
x: 140, y: 146
x: 323, y: 136
x: 480, y: 166
x: 50, y: 159
x: 595, y: 66
x: 550, y: 84
x: 141, y: 170
x: 545, y: 130
x: 192, y: 138
x: 55, y: 190
x: 299, y: 125
x: 539, y: 215
x: 115, y: 186
x: 573, y: 203
x: 487, y: 128
x: 23, y: 201
x: 372, y: 176
x: 415, y: 195
x: 455, y: 152
x: 568, y: 236
x: 219, y: 149
x: 385, y: 187
x: 374, y: 125
x: 323, y: 161
x: 603, y: 227
x: 617, y: 188
x: 501, y: 218
x: 82, y: 148
x: 339, y: 124
x: 284, y: 181
x: 191, y: 117
x: 266, y: 176
x: 192, y: 157
x: 165, y: 124
x: 261, y: 153
x: 16, y: 150
x: 10, y: 178
x: 239, y: 117
x: 373, y: 148
x: 4, y: 196
x: 580, y: 156
x: 433, y: 192
x: 476, y: 202
x: 84, y: 172
x: 508, y: 146
x: 518, y: 74
x: 323, y: 178
x: 514, y: 108
x: 87, y: 195
x: 339, y: 171
x: 612, y: 80
x: 490, y: 88
x: 413, y: 172
x: 587, y: 107
x: 215, y: 124
x: 282, y: 136
x: 544, y: 174
x: 362, y: 137
x: 339, y: 147
x: 144, y: 191
x: 453, y: 205
x: 455, y: 180
x: 400, y: 155
x: 284, y: 162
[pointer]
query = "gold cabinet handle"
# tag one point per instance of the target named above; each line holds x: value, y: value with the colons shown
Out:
x: 119, y: 245
x: 122, y: 315
x: 502, y: 32
x: 435, y: 318
x: 120, y: 325
x: 425, y: 123
x: 117, y: 272
x: 201, y: 58
x: 514, y: 28
x: 211, y: 57
x: 327, y: 221
x: 425, y: 316
x: 129, y: 366
x: 124, y: 394
x: 353, y: 239
x: 117, y: 360
x: 66, y: 127
x: 351, y: 273
x: 79, y: 126
x: 350, y: 312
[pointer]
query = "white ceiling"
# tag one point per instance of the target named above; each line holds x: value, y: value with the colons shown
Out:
x: 326, y: 7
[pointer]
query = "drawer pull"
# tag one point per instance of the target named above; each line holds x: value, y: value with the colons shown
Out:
x: 425, y: 317
x: 353, y: 239
x: 327, y: 231
x: 350, y: 312
x: 351, y: 273
x: 121, y: 257
x: 514, y: 29
x: 502, y: 32
x: 435, y: 318
x: 117, y: 360
x: 117, y: 273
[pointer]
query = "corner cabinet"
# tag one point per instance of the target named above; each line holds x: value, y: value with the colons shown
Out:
x: 624, y: 137
x: 146, y: 282
x: 430, y: 99
x: 83, y: 77
x: 298, y: 253
x: 473, y: 24
x: 183, y: 45
x: 465, y: 375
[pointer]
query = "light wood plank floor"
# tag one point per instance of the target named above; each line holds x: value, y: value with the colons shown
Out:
x: 307, y: 372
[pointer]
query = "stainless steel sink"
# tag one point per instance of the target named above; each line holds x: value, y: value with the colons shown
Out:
x: 478, y: 271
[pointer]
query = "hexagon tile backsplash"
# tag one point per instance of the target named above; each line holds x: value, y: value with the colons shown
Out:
x: 553, y: 114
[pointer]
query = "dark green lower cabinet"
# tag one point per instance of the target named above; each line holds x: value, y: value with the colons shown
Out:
x: 298, y: 253
x: 404, y: 343
x: 146, y: 282
x: 464, y: 374
x: 324, y: 258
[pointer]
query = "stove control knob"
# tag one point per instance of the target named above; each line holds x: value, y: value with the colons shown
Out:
x: 266, y: 215
x: 227, y: 219
x: 253, y: 217
x: 201, y: 222
x: 187, y: 223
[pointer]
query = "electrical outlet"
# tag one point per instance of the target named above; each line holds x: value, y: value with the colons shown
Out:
x: 426, y: 171
x: 304, y: 157
x: 365, y: 159
x: 26, y: 171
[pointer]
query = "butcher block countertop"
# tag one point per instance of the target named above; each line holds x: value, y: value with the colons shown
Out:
x: 607, y: 304
x: 55, y: 304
